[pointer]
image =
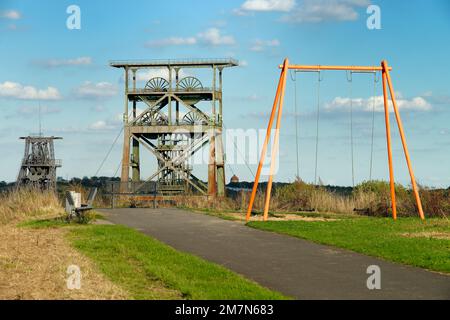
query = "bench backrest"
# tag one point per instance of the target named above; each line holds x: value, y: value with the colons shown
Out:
x: 70, y: 198
x: 91, y: 196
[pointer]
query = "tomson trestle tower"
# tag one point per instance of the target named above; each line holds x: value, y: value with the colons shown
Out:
x: 38, y: 167
x: 173, y: 115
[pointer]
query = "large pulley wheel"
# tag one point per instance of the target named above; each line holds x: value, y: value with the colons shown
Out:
x: 190, y: 84
x: 154, y: 118
x: 157, y: 84
x: 193, y: 118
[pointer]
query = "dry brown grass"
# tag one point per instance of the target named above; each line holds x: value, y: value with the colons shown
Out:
x: 430, y: 235
x: 24, y: 204
x: 369, y: 198
x: 33, y: 265
x: 326, y: 201
x: 33, y: 262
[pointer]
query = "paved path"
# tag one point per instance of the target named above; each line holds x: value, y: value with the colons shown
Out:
x: 295, y: 267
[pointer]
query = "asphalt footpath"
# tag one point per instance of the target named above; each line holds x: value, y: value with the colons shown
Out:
x: 294, y: 267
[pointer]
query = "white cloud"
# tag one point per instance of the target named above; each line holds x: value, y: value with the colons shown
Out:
x: 436, y: 99
x: 98, y: 125
x: 428, y: 93
x: 214, y: 37
x: 172, y: 41
x: 27, y: 111
x: 240, y: 12
x: 102, y: 125
x: 253, y: 97
x: 210, y: 37
x: 54, y: 63
x: 98, y: 108
x: 366, y: 105
x: 266, y: 5
x: 10, y: 14
x: 315, y: 11
x: 90, y: 90
x: 219, y: 23
x: 148, y: 74
x: 12, y: 27
x: 113, y: 123
x: 16, y: 90
x: 312, y: 11
x: 243, y: 63
x: 68, y: 129
x: 30, y: 110
x: 261, y: 45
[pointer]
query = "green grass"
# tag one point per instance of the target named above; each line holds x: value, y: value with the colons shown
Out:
x: 378, y: 237
x: 46, y: 223
x: 59, y: 222
x: 137, y: 263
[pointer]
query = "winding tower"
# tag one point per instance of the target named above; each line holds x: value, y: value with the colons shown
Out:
x: 173, y: 115
x: 38, y: 167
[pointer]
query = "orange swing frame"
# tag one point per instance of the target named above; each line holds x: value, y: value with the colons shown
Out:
x: 277, y: 108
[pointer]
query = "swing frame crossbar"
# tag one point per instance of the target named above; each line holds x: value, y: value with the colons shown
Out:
x: 277, y: 109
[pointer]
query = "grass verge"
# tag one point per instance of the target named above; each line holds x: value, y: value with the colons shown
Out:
x: 137, y: 262
x: 34, y: 263
x: 408, y: 240
x: 59, y: 222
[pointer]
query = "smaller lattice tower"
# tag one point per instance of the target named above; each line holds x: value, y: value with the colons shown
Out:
x: 38, y: 167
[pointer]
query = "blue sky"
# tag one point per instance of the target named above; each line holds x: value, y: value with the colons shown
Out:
x: 67, y: 73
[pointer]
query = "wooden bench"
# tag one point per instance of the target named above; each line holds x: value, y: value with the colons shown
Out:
x: 75, y: 208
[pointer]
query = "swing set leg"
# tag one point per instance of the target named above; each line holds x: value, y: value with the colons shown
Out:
x: 403, y: 138
x: 276, y: 142
x: 389, y: 147
x: 266, y: 141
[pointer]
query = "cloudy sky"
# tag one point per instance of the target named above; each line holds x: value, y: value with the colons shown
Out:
x: 66, y: 72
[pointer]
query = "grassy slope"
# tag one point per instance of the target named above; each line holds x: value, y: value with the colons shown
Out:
x: 383, y: 238
x: 135, y: 261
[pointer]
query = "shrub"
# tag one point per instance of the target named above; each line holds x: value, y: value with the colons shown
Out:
x: 436, y: 203
x: 296, y: 196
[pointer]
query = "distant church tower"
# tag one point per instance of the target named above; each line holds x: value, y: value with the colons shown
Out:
x: 38, y: 168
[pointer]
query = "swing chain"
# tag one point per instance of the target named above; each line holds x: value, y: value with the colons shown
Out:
x: 294, y: 79
x: 376, y: 79
x: 296, y: 116
x: 320, y: 79
x: 349, y: 75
